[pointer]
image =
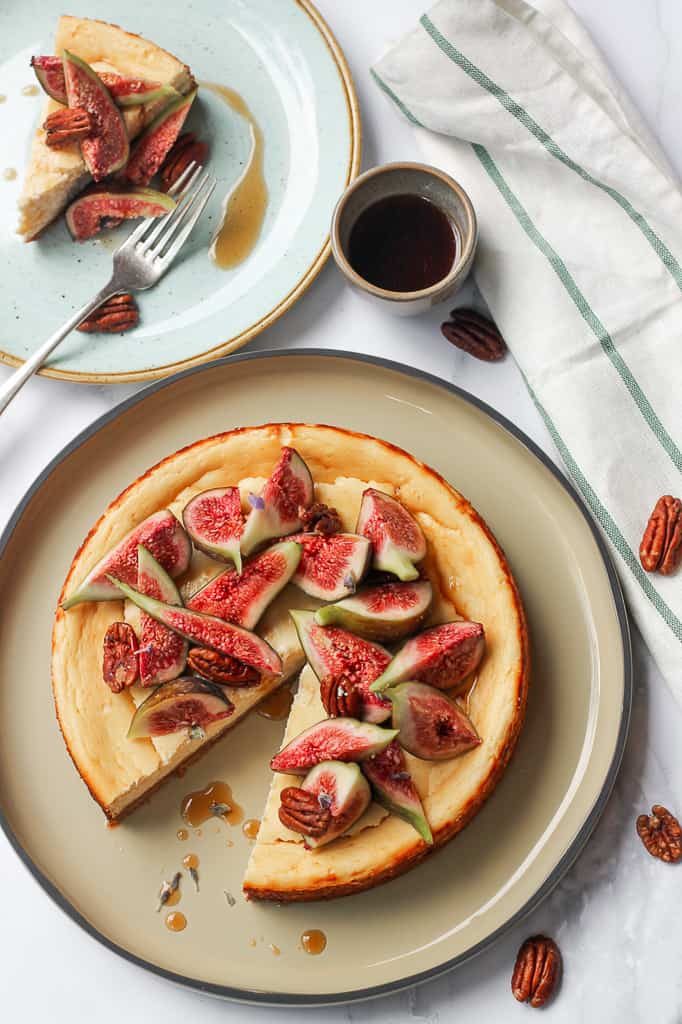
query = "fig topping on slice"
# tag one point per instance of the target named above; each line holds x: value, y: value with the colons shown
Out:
x: 396, y: 537
x: 185, y: 703
x: 390, y: 611
x: 101, y: 207
x: 343, y: 796
x: 332, y: 565
x: 431, y: 725
x: 214, y: 521
x: 394, y: 789
x: 107, y: 149
x: 334, y: 739
x: 126, y: 92
x: 275, y: 512
x: 120, y: 657
x: 442, y: 656
x: 163, y: 654
x: 151, y: 148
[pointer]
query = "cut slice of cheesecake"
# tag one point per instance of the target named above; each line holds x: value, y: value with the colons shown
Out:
x: 54, y: 176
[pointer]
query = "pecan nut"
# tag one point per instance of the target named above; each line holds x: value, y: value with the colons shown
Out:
x: 661, y: 545
x: 120, y: 662
x: 221, y: 668
x: 341, y: 699
x: 303, y: 812
x: 474, y: 334
x: 661, y: 834
x: 320, y: 518
x: 67, y: 125
x: 187, y: 148
x: 536, y: 971
x: 113, y: 317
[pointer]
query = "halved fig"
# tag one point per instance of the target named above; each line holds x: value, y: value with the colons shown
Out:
x: 334, y: 739
x: 343, y: 789
x: 214, y: 520
x: 163, y: 537
x: 163, y: 654
x: 274, y: 513
x: 394, y: 789
x: 442, y: 656
x: 151, y: 148
x: 387, y: 612
x: 396, y: 537
x: 49, y: 70
x: 430, y: 724
x: 127, y: 92
x: 185, y: 703
x: 208, y: 631
x: 107, y: 149
x: 119, y: 656
x: 243, y: 597
x: 339, y: 658
x: 96, y: 208
x: 331, y: 566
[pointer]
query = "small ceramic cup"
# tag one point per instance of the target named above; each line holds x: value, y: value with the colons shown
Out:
x: 400, y: 179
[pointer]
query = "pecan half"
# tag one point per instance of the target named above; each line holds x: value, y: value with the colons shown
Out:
x: 113, y: 317
x: 185, y: 149
x: 120, y: 663
x: 303, y: 812
x: 536, y: 971
x: 661, y: 834
x: 474, y: 334
x: 661, y: 545
x: 66, y: 125
x: 221, y: 668
x: 341, y: 699
x: 320, y: 518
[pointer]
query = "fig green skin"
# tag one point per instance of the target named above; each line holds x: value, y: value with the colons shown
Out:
x: 349, y: 572
x: 350, y: 794
x: 333, y: 739
x: 150, y: 95
x: 268, y: 523
x: 153, y: 580
x: 85, y: 215
x: 419, y: 714
x: 397, y: 795
x: 355, y: 613
x: 152, y: 146
x: 462, y: 648
x: 226, y: 550
x: 374, y: 523
x: 164, y: 698
x: 49, y: 70
x: 106, y: 151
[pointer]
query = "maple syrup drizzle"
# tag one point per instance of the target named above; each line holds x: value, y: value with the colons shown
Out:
x: 275, y: 950
x: 176, y: 922
x: 182, y: 834
x: 277, y: 706
x: 30, y: 90
x: 245, y: 205
x: 202, y: 804
x: 190, y: 861
x: 250, y: 828
x: 174, y: 898
x: 3, y: 98
x: 313, y: 942
x: 9, y: 174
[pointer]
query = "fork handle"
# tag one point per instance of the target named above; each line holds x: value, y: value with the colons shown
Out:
x: 34, y: 362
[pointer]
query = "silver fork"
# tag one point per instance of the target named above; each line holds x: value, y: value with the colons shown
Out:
x: 139, y: 263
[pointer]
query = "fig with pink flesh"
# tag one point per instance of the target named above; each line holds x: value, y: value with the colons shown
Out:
x: 107, y: 149
x: 127, y: 92
x: 163, y: 654
x: 214, y: 520
x: 49, y: 70
x: 187, y: 703
x: 430, y: 724
x: 161, y: 534
x: 390, y: 611
x: 394, y: 789
x: 340, y: 658
x: 208, y: 631
x: 331, y: 566
x: 342, y: 788
x: 334, y: 739
x: 151, y: 148
x: 97, y: 208
x: 442, y: 656
x: 243, y: 597
x: 275, y: 512
x: 396, y: 537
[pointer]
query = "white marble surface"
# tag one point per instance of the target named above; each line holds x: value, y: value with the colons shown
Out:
x: 615, y: 913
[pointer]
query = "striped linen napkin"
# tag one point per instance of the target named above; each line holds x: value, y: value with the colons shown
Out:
x: 580, y: 254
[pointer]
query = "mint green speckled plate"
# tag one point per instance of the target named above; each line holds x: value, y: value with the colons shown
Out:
x: 282, y: 59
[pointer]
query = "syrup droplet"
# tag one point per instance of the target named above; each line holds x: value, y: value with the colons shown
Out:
x: 313, y: 942
x: 214, y: 801
x: 182, y: 834
x: 9, y: 174
x: 30, y: 90
x: 252, y: 943
x: 190, y: 861
x: 250, y: 828
x: 174, y: 898
x: 278, y: 705
x: 176, y: 922
x: 275, y: 950
x: 3, y: 98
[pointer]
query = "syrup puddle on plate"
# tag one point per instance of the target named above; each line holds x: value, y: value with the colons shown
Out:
x: 277, y: 706
x: 176, y: 922
x: 313, y: 942
x: 214, y: 801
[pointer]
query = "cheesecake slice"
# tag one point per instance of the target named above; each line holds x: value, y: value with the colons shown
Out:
x: 55, y: 176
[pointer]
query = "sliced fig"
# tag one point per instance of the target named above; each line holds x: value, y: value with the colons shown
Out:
x: 49, y: 71
x: 100, y: 208
x: 186, y: 703
x: 243, y: 597
x: 390, y: 611
x: 334, y: 739
x: 342, y: 788
x: 107, y: 149
x: 442, y: 656
x: 275, y: 512
x: 151, y: 148
x: 207, y: 631
x: 394, y: 789
x: 126, y: 92
x: 331, y: 566
x: 163, y: 654
x: 395, y: 535
x: 163, y: 537
x: 339, y: 658
x: 214, y: 520
x: 119, y: 657
x: 431, y: 725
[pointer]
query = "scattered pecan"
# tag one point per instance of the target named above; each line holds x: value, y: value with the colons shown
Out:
x: 341, y: 699
x: 661, y: 545
x: 120, y: 663
x: 303, y: 812
x: 113, y: 317
x: 66, y: 125
x: 320, y: 518
x: 221, y: 668
x: 185, y: 149
x: 536, y: 971
x: 661, y: 834
x: 474, y: 334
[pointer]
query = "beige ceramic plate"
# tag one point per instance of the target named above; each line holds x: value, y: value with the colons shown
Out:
x: 441, y: 912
